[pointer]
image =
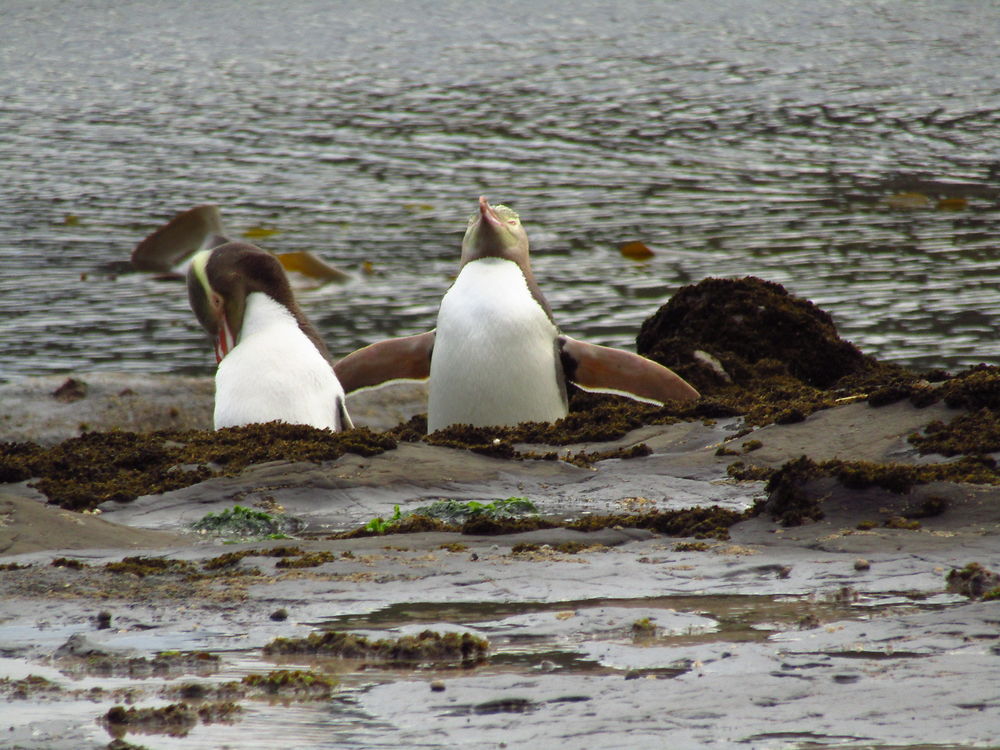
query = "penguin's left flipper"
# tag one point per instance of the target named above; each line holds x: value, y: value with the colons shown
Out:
x: 406, y: 358
x: 602, y: 368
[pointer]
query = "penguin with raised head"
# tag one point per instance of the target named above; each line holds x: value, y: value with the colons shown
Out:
x: 272, y: 363
x: 497, y: 357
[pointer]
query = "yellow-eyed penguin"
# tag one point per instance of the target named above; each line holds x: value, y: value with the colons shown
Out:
x: 272, y: 363
x: 496, y: 356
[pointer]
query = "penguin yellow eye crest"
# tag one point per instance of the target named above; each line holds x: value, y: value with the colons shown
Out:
x: 198, y: 264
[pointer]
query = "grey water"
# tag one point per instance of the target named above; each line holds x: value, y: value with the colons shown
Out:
x: 848, y: 149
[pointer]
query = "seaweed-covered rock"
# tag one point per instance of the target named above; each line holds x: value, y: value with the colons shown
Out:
x: 975, y: 388
x: 83, y: 472
x: 712, y: 332
x: 427, y: 647
x: 974, y: 581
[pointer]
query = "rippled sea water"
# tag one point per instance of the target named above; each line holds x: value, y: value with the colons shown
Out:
x: 769, y: 138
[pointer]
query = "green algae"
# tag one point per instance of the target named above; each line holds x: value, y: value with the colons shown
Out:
x: 238, y: 521
x: 409, y: 650
x: 83, y: 472
x: 457, y: 511
x: 445, y: 515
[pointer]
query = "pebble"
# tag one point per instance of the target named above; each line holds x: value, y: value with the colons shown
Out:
x: 862, y: 564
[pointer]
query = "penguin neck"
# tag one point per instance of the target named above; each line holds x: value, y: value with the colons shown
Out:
x: 265, y: 316
x: 478, y: 269
x: 264, y: 313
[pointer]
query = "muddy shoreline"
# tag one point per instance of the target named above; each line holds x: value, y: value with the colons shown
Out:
x: 618, y: 637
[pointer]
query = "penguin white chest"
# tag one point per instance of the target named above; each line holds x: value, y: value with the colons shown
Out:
x: 275, y: 373
x: 495, y: 360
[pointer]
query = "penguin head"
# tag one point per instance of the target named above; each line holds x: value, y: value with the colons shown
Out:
x: 495, y: 232
x: 219, y: 281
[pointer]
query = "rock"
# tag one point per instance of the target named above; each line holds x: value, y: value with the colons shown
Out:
x: 740, y: 322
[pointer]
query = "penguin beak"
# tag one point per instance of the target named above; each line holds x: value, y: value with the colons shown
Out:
x: 488, y: 217
x: 224, y: 341
x: 494, y: 234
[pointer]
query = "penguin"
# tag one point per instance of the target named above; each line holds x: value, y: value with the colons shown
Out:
x: 497, y: 357
x: 272, y: 364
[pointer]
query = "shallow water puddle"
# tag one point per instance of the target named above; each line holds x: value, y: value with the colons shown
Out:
x: 652, y: 638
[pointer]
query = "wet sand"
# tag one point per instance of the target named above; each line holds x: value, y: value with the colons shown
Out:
x: 620, y: 637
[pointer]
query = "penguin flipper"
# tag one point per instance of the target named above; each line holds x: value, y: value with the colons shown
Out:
x: 601, y: 368
x: 406, y: 358
x: 197, y: 228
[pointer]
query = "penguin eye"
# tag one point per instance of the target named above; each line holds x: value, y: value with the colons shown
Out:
x: 507, y: 215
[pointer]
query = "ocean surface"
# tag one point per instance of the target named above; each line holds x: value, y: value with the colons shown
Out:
x: 849, y: 150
